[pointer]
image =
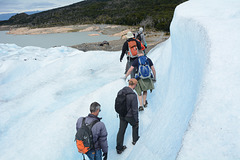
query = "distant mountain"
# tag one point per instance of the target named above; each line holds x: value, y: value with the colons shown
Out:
x: 150, y: 13
x: 6, y: 16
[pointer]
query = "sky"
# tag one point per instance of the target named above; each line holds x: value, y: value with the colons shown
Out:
x: 193, y: 113
x: 19, y: 6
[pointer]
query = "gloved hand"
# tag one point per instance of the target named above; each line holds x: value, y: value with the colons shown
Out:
x: 120, y: 60
x: 154, y: 80
x: 145, y: 47
x: 104, y: 156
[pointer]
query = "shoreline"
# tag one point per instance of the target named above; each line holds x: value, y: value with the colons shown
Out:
x: 113, y: 30
x: 152, y: 37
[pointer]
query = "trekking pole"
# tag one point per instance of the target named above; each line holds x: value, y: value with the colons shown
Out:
x: 83, y: 157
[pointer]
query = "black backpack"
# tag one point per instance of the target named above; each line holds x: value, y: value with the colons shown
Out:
x: 121, y: 104
x: 84, y: 137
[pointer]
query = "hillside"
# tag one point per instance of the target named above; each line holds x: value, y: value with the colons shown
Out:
x: 155, y: 14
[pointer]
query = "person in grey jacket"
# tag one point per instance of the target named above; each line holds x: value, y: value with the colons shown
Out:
x: 131, y: 117
x: 99, y: 132
x: 140, y: 35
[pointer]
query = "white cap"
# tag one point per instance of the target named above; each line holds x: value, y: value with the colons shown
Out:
x: 129, y: 35
x: 141, y: 29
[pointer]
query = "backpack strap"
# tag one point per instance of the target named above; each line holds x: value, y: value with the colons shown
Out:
x: 139, y: 61
x: 83, y: 121
x: 93, y: 123
x: 90, y: 127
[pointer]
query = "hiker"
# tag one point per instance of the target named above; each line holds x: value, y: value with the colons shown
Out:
x: 142, y: 46
x: 144, y: 84
x: 130, y: 47
x: 131, y: 116
x: 99, y: 133
x: 140, y: 35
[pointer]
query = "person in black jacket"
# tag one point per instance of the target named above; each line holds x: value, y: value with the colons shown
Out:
x: 126, y: 50
x: 131, y: 117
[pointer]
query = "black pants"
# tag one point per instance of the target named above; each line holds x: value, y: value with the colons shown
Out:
x: 122, y: 128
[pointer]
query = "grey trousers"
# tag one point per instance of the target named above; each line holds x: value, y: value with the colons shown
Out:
x: 122, y: 128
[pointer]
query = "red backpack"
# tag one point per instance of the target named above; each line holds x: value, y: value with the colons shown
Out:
x: 132, y: 49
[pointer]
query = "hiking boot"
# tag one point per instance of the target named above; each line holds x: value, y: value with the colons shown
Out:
x: 141, y: 108
x: 146, y: 104
x: 120, y: 151
x: 135, y: 141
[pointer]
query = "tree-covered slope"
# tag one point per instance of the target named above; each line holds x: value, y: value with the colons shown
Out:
x: 150, y: 13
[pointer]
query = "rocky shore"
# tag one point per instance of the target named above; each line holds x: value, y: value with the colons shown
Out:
x: 152, y: 37
x: 152, y: 40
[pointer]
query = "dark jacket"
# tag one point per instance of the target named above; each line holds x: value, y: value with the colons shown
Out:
x: 132, y: 103
x: 99, y: 132
x: 125, y: 47
x: 143, y: 41
x: 136, y: 62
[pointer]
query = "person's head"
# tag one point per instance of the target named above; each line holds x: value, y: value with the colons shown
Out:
x: 141, y: 30
x: 95, y: 108
x: 132, y: 83
x: 129, y: 35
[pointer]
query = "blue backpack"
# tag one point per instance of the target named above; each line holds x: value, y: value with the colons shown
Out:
x: 144, y: 70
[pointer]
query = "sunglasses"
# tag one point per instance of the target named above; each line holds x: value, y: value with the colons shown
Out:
x: 99, y: 108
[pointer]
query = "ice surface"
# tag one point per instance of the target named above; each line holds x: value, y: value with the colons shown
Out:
x: 193, y: 113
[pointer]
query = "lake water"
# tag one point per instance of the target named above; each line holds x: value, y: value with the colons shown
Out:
x: 56, y: 39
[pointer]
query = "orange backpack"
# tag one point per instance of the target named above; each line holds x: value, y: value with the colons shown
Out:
x: 84, y: 137
x: 132, y: 49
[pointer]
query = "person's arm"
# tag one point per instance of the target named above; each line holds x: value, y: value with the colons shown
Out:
x: 79, y: 123
x: 134, y: 64
x: 103, y: 138
x: 152, y: 68
x: 135, y: 107
x: 124, y: 49
x: 129, y: 72
x: 154, y: 71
